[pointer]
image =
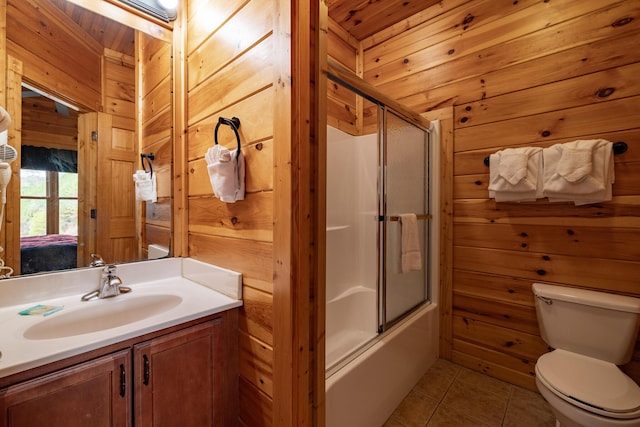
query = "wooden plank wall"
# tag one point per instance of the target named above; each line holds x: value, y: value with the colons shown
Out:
x: 43, y: 126
x: 156, y: 136
x: 526, y: 73
x: 230, y: 72
x: 54, y: 53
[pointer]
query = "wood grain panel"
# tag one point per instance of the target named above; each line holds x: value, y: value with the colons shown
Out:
x: 250, y: 220
x: 615, y: 83
x: 496, y: 313
x: 597, y: 242
x: 607, y: 116
x: 245, y: 29
x: 251, y: 257
x: 249, y: 74
x: 256, y: 363
x: 255, y: 407
x: 509, y: 341
x: 596, y: 273
x: 516, y: 26
x: 511, y: 290
x: 257, y: 314
x: 205, y: 17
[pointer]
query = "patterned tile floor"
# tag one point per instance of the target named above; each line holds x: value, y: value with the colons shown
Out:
x: 449, y: 395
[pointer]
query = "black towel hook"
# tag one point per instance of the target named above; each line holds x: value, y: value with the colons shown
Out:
x: 149, y: 157
x: 234, y: 122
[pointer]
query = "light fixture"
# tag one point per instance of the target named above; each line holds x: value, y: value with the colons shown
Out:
x: 161, y: 9
x: 169, y: 4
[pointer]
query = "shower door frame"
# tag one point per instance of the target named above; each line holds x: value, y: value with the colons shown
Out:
x: 361, y: 88
x: 383, y: 217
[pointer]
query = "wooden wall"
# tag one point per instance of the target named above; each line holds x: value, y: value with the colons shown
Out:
x: 155, y: 119
x: 230, y: 72
x: 526, y: 73
x: 55, y: 55
x: 43, y: 126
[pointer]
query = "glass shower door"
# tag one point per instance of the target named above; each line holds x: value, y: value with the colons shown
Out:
x: 405, y: 182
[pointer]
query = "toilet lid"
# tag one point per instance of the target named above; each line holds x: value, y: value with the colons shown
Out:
x: 592, y: 382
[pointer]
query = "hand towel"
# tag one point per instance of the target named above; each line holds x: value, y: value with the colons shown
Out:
x: 410, y: 248
x: 5, y: 120
x: 145, y: 186
x: 514, y: 174
x: 580, y: 171
x: 226, y: 173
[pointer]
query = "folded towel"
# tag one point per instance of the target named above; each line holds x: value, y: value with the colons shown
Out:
x: 5, y: 120
x: 580, y: 171
x: 514, y: 174
x: 410, y: 252
x: 226, y: 173
x: 145, y: 186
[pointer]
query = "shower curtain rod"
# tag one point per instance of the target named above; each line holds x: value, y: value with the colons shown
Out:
x: 339, y: 74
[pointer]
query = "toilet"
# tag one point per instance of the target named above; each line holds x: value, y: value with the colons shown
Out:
x: 591, y: 333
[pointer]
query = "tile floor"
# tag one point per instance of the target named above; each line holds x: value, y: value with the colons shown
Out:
x: 449, y: 395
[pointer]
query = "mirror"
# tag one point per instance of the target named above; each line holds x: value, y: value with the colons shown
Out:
x: 91, y: 95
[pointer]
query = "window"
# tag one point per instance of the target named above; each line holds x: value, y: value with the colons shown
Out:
x: 48, y: 202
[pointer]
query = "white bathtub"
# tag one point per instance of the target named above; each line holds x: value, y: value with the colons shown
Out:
x: 365, y: 391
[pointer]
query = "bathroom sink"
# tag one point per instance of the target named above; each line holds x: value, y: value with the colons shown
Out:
x: 102, y: 314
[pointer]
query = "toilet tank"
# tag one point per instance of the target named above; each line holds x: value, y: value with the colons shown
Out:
x: 596, y: 324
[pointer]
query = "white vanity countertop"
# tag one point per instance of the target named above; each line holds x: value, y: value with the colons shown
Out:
x: 184, y: 290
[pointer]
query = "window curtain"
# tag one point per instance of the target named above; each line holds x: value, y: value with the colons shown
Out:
x: 49, y: 159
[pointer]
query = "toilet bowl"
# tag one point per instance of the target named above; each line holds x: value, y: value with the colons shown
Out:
x: 586, y: 392
x: 592, y: 333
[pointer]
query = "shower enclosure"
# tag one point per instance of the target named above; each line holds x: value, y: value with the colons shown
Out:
x: 372, y: 179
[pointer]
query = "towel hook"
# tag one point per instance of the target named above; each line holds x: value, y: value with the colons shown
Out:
x: 149, y: 157
x: 618, y: 147
x: 234, y: 123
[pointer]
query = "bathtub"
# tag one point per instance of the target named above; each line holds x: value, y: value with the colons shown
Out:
x: 365, y: 391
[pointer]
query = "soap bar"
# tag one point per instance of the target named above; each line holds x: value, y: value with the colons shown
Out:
x: 45, y: 310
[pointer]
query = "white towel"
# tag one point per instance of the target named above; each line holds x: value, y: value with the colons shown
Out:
x: 226, y: 173
x: 514, y: 174
x: 580, y: 171
x: 145, y: 186
x: 410, y: 252
x: 5, y: 120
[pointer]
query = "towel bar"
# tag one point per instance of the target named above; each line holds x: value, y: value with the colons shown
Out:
x: 618, y: 148
x: 397, y: 218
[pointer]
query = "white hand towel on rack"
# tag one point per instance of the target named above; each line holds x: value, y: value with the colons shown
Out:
x: 580, y: 171
x: 145, y: 186
x: 410, y: 248
x: 226, y: 172
x: 514, y: 174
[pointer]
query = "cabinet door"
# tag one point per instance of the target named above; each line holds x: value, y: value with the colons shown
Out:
x: 175, y: 380
x: 91, y: 394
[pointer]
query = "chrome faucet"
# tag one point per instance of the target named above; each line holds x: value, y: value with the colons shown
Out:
x: 110, y: 285
x: 97, y: 261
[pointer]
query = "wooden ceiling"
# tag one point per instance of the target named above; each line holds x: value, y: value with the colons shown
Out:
x: 108, y: 33
x: 360, y: 18
x: 363, y: 18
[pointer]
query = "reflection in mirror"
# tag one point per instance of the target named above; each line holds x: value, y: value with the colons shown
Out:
x: 94, y: 95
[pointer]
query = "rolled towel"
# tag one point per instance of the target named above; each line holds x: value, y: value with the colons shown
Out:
x: 145, y: 186
x: 410, y: 248
x: 5, y: 120
x: 226, y: 170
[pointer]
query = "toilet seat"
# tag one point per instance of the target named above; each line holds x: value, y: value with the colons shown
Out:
x: 594, y: 385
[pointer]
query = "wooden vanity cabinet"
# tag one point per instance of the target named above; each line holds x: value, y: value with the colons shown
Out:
x: 91, y: 394
x: 180, y: 380
x: 186, y: 377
